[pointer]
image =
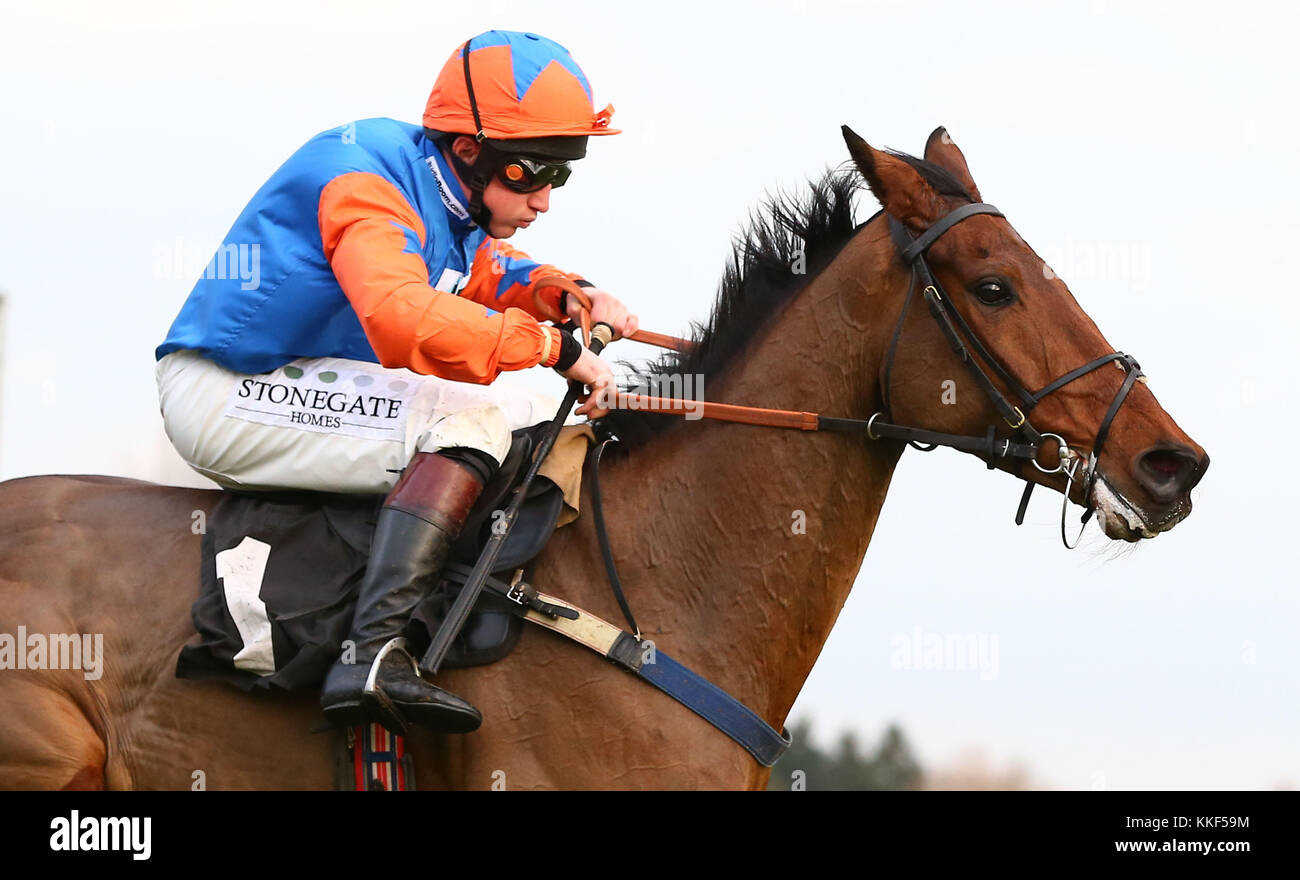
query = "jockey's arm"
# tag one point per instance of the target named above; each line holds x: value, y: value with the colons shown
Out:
x: 373, y: 239
x: 502, y: 278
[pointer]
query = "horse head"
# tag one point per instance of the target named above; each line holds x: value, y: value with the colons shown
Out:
x: 986, y: 318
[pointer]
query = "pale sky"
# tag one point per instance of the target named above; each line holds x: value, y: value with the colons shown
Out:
x: 1152, y: 132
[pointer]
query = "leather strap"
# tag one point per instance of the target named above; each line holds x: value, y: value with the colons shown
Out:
x: 574, y: 288
x: 480, y: 173
x: 724, y: 412
x: 1024, y: 502
x: 469, y: 89
x: 602, y: 537
x: 946, y: 318
x: 953, y: 317
x: 521, y: 594
x: 923, y: 241
x: 886, y: 375
x: 1134, y: 372
x: 988, y: 447
x: 649, y: 663
x: 1077, y: 373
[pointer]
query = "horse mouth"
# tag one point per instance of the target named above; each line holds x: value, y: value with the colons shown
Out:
x: 1122, y: 520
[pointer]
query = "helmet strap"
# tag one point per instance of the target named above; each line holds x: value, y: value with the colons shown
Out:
x: 478, y: 175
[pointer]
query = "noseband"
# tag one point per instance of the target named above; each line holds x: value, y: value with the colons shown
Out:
x: 1026, y: 441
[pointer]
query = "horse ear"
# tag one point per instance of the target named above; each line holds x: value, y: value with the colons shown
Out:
x: 942, y: 150
x: 902, y: 192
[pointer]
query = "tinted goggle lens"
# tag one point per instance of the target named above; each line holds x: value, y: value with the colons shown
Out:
x: 529, y: 175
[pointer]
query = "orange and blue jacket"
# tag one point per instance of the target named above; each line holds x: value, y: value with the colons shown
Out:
x: 360, y: 247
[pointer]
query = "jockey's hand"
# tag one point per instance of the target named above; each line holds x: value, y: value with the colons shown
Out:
x: 591, y: 370
x: 605, y: 307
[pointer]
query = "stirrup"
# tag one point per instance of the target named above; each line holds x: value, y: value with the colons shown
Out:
x: 374, y: 699
x: 409, y: 700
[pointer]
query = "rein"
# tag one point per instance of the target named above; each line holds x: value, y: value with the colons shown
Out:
x: 1026, y: 441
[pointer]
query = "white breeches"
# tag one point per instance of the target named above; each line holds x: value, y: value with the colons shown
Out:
x: 330, y: 424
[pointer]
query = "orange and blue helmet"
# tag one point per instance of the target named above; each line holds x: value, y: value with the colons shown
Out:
x: 526, y: 102
x: 513, y: 86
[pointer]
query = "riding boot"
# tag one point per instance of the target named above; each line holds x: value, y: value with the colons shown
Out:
x: 420, y: 519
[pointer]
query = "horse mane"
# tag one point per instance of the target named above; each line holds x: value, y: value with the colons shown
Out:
x: 758, y: 281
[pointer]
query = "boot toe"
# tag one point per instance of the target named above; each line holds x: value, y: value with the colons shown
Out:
x: 429, y: 705
x: 400, y: 697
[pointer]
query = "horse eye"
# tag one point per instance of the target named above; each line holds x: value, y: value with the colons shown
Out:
x: 993, y: 292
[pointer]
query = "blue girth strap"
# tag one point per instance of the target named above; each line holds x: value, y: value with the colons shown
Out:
x: 696, y: 693
x: 717, y: 707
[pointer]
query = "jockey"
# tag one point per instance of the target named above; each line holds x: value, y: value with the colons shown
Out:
x: 371, y: 304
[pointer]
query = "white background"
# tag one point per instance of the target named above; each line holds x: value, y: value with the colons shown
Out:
x: 1164, y: 131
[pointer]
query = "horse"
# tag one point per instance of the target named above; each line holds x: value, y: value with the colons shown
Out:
x: 812, y: 314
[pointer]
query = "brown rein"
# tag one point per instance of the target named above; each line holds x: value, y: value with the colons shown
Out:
x: 723, y: 412
x: 676, y: 343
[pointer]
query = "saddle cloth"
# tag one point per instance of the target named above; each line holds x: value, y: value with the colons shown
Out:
x: 279, y: 573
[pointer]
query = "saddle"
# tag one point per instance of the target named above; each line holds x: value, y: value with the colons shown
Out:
x: 316, y: 549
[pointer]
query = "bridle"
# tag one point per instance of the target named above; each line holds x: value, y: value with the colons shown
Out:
x: 1027, y: 441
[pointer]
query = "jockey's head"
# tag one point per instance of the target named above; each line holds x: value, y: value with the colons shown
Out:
x: 510, y: 111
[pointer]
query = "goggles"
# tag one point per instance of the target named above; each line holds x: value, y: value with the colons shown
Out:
x: 524, y: 175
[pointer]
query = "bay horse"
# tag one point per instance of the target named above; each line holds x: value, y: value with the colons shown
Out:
x: 700, y: 515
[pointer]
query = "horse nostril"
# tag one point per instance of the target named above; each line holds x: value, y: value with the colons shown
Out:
x: 1168, y: 471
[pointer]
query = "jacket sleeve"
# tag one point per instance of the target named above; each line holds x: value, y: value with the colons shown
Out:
x: 373, y: 240
x: 502, y: 275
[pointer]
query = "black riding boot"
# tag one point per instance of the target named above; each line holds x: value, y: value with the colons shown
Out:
x: 417, y: 524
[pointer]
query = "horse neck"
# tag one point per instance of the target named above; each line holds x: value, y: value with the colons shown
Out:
x: 729, y: 582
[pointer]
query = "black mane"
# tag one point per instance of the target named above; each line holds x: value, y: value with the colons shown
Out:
x: 758, y: 281
x: 757, y: 284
